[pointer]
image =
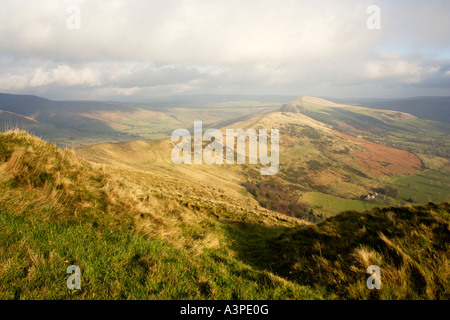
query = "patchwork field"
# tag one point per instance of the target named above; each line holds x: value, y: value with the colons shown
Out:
x: 425, y: 186
x: 328, y: 205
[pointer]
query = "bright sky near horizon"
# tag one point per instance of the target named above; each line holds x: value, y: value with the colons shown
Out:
x: 145, y: 48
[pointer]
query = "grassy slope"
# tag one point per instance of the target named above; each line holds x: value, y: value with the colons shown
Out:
x: 426, y: 139
x: 328, y: 203
x: 73, y: 123
x: 144, y: 236
x: 425, y: 186
x: 329, y: 172
x: 432, y: 108
x: 130, y: 241
x: 410, y: 245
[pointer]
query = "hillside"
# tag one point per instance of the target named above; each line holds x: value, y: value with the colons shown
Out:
x: 333, y: 155
x: 327, y: 164
x: 431, y: 108
x: 73, y: 123
x: 147, y: 235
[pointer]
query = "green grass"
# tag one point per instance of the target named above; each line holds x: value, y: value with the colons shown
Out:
x: 119, y: 264
x: 425, y: 186
x: 328, y: 204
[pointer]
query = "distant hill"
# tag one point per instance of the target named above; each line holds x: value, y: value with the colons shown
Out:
x: 55, y: 119
x: 294, y: 106
x: 87, y: 122
x: 431, y: 108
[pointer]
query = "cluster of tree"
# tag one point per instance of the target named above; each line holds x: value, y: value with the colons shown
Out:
x: 388, y: 191
x: 275, y: 196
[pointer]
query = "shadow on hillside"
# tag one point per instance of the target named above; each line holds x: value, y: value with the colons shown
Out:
x: 327, y: 253
x: 273, y: 248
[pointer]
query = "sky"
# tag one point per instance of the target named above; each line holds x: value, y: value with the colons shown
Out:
x: 139, y: 49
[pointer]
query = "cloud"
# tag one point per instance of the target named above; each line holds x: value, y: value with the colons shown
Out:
x: 199, y: 46
x: 392, y: 67
x: 195, y: 32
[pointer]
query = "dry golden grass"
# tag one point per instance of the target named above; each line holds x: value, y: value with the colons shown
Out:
x: 181, y: 208
x: 365, y: 257
x: 149, y: 164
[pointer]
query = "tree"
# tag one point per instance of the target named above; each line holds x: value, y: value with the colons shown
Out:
x: 391, y: 192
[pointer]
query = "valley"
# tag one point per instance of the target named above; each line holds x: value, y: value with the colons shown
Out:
x: 324, y: 169
x: 74, y: 123
x: 332, y: 155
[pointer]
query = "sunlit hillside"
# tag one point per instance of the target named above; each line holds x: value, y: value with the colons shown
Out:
x: 327, y: 165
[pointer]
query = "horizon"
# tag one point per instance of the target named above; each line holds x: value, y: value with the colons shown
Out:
x: 74, y: 50
x: 289, y: 96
